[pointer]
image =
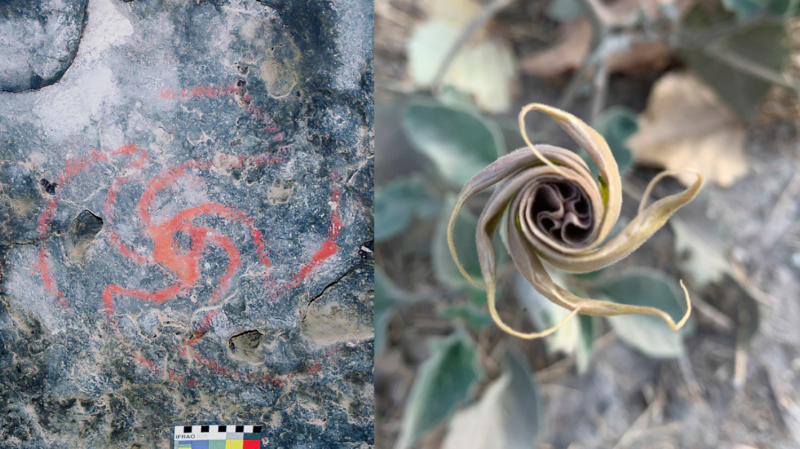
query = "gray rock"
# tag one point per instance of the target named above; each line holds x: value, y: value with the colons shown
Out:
x: 182, y: 215
x: 38, y: 41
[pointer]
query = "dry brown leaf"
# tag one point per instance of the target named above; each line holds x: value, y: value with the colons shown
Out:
x: 652, y: 55
x: 685, y: 125
x: 566, y: 55
x: 575, y: 38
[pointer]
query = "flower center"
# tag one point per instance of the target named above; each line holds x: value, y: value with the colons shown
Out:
x: 562, y: 211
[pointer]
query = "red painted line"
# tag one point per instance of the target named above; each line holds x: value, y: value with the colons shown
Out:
x: 124, y: 249
x: 329, y: 246
x: 232, y: 90
x: 233, y: 265
x: 49, y: 283
x: 205, y: 325
x: 159, y: 183
x: 183, y: 264
x: 72, y: 167
x: 45, y: 218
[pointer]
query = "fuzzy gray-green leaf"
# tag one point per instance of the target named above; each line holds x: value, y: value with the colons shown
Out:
x: 458, y: 141
x: 398, y: 203
x: 647, y: 333
x: 443, y: 383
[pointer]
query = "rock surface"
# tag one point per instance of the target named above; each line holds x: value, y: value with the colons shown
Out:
x: 184, y: 201
x: 38, y: 41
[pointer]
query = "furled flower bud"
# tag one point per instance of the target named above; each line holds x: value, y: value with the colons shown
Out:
x: 553, y: 209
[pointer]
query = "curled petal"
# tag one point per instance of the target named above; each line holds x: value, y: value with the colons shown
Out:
x: 556, y: 211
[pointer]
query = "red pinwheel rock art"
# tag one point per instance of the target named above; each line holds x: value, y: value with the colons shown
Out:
x: 164, y: 227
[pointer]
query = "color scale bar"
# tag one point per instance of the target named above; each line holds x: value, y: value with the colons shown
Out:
x: 219, y: 444
x: 218, y: 437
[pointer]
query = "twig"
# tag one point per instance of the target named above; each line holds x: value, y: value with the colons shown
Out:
x: 555, y: 370
x: 478, y: 21
x: 688, y: 375
x: 712, y: 35
x: 394, y: 86
x: 665, y: 429
x: 759, y: 295
x: 788, y: 193
x: 595, y: 12
x: 607, y: 46
x: 784, y: 403
x: 747, y: 66
x: 574, y: 85
x: 600, y: 84
x: 611, y: 36
x: 569, y: 95
x: 740, y: 355
x: 712, y: 313
x: 488, y: 357
x: 400, y: 17
x: 739, y: 367
x: 630, y: 434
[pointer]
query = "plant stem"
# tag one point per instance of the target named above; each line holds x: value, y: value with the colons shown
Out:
x: 595, y: 13
x: 600, y: 85
x: 478, y: 21
x: 749, y: 67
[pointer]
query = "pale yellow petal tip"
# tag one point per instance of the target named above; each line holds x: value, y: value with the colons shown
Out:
x: 452, y: 246
x: 526, y: 336
x: 549, y: 111
x: 646, y: 195
x: 688, y: 308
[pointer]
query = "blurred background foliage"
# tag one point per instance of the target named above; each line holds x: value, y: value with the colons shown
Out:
x: 669, y: 84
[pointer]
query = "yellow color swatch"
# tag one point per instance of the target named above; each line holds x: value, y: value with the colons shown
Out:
x: 234, y: 444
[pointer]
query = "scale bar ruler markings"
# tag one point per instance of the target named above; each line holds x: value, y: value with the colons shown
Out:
x: 218, y: 437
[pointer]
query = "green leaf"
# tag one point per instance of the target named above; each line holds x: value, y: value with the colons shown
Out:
x: 444, y: 267
x: 469, y: 315
x: 563, y: 10
x: 748, y: 9
x: 744, y: 9
x: 583, y: 350
x: 452, y: 97
x: 617, y: 124
x: 764, y: 44
x: 443, y: 383
x: 786, y: 8
x: 478, y: 296
x: 647, y: 333
x: 387, y: 294
x: 703, y: 15
x: 545, y: 315
x: 459, y: 142
x: 509, y: 128
x: 702, y: 241
x: 590, y: 276
x: 508, y: 416
x: 387, y: 297
x: 398, y: 203
x: 381, y: 323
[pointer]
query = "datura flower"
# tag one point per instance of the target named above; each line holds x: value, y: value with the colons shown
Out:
x: 554, y: 210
